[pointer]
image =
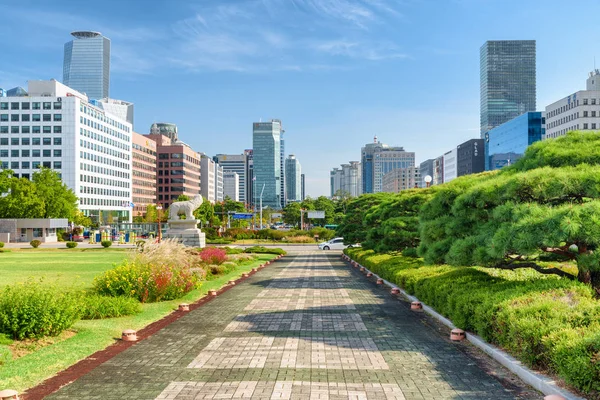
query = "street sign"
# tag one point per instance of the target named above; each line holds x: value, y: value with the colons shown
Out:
x: 316, y: 214
x: 242, y: 216
x: 276, y: 215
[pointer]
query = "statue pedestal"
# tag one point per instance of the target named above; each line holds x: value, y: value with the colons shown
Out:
x: 185, y: 231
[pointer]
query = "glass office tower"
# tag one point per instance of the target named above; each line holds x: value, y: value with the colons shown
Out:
x: 507, y: 81
x: 293, y: 171
x: 86, y: 66
x: 266, y: 153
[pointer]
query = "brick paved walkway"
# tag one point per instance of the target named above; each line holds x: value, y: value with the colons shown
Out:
x: 306, y: 329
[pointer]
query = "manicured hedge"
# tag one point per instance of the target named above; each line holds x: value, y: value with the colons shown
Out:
x: 545, y: 321
x: 265, y: 250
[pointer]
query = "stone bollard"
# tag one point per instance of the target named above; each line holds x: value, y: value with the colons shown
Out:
x: 395, y: 290
x: 369, y: 274
x: 254, y: 269
x: 362, y: 269
x: 245, y: 275
x: 554, y: 397
x: 184, y: 307
x: 416, y: 306
x: 379, y: 281
x: 457, y: 335
x: 9, y: 394
x: 212, y: 292
x: 129, y: 335
x: 231, y: 283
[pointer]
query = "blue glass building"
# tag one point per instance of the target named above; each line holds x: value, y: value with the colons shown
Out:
x: 86, y: 66
x: 506, y: 143
x: 266, y: 148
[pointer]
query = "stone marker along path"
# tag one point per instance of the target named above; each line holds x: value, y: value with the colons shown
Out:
x: 311, y: 328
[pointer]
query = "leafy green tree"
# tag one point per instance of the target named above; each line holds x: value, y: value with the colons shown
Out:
x: 352, y: 228
x: 291, y: 214
x: 183, y: 197
x: 151, y: 213
x: 22, y: 200
x: 322, y: 203
x: 58, y: 199
x: 205, y: 212
x: 81, y: 220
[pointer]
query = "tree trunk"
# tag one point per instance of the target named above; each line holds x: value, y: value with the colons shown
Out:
x: 591, y: 277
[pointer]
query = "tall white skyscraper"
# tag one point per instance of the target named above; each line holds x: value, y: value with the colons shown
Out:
x: 86, y: 66
x: 293, y: 172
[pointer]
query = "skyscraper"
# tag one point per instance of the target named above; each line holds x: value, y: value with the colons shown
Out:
x: 293, y: 172
x: 282, y: 175
x: 266, y: 148
x: 86, y: 66
x: 378, y: 159
x: 507, y: 81
x: 237, y: 163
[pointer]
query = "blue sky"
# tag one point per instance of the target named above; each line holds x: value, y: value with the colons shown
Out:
x: 336, y: 72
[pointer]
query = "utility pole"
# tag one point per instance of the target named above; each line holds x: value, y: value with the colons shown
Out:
x: 261, y: 193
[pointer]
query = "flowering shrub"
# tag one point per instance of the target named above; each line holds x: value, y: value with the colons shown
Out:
x: 213, y: 255
x: 161, y: 271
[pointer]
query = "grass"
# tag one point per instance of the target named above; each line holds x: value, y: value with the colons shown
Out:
x: 65, y: 267
x: 94, y: 335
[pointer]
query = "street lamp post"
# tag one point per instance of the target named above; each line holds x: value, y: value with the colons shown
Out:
x: 158, y: 208
x: 261, y: 193
x: 428, y: 180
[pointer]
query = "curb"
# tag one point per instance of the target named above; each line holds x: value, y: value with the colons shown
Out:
x: 541, y: 382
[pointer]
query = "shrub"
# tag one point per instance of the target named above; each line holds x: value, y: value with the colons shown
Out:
x: 106, y: 243
x: 71, y: 245
x: 299, y: 239
x: 219, y: 241
x: 100, y: 307
x: 35, y: 243
x: 265, y: 250
x: 410, y: 252
x: 213, y: 255
x: 163, y: 271
x: 1, y: 245
x: 233, y: 250
x: 33, y: 310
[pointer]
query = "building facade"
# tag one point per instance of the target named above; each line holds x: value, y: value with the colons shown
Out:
x: 282, y: 175
x: 178, y: 170
x: 56, y: 127
x: 450, y: 161
x: 507, y: 81
x: 121, y: 108
x: 166, y: 129
x: 231, y: 185
x: 208, y: 180
x: 266, y: 148
x: 579, y: 111
x: 438, y: 171
x: 401, y: 179
x: 293, y: 171
x: 346, y: 180
x: 303, y: 186
x: 143, y: 182
x: 86, y: 65
x: 506, y: 143
x: 388, y: 159
x: 470, y: 157
x: 219, y: 185
x: 426, y: 168
x: 237, y: 163
x: 368, y: 165
x: 249, y: 177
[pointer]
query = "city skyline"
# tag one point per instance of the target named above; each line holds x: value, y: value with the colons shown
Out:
x: 362, y: 62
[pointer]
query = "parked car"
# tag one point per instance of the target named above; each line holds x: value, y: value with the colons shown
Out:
x: 333, y: 244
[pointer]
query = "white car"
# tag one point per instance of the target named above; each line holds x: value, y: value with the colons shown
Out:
x: 333, y: 244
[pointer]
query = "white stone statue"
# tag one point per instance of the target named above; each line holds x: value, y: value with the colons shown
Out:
x: 184, y: 207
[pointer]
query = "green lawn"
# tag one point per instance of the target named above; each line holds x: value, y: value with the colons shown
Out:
x: 64, y: 267
x: 94, y: 335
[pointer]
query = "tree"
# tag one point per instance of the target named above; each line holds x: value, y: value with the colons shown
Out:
x: 151, y: 213
x: 58, y: 199
x: 22, y: 200
x: 352, y: 228
x: 81, y: 220
x: 205, y: 212
x: 291, y: 214
x: 322, y: 203
x: 183, y: 197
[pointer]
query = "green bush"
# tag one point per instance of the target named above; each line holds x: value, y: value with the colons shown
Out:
x: 35, y: 243
x: 34, y: 310
x: 1, y: 245
x: 219, y: 241
x: 106, y: 243
x: 545, y: 321
x: 233, y: 250
x: 71, y: 245
x: 100, y: 307
x: 265, y: 250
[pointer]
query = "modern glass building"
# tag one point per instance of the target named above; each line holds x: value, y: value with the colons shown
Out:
x: 266, y: 153
x: 506, y: 143
x: 237, y: 163
x: 378, y: 159
x: 507, y: 81
x: 293, y: 171
x: 86, y: 66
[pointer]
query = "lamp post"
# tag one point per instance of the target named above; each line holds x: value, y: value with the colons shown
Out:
x: 428, y: 180
x: 261, y: 193
x: 158, y: 208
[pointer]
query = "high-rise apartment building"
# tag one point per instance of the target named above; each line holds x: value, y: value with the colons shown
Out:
x: 178, y: 170
x: 282, y: 175
x: 266, y: 148
x: 293, y: 172
x: 231, y: 185
x: 579, y: 111
x: 303, y: 186
x: 86, y: 66
x: 506, y: 143
x: 208, y: 181
x: 56, y: 127
x: 237, y: 163
x: 507, y: 81
x: 367, y: 164
x: 450, y: 171
x: 346, y: 180
x: 401, y: 179
x: 219, y: 185
x: 143, y: 173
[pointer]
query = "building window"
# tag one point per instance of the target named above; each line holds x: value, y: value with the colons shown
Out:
x: 35, y: 117
x: 24, y: 153
x: 585, y: 102
x: 25, y: 165
x: 47, y: 117
x: 47, y: 129
x: 58, y: 153
x: 3, y: 106
x: 3, y: 117
x: 47, y: 164
x: 57, y: 129
x: 14, y: 106
x: 35, y: 164
x: 25, y: 106
x: 14, y: 129
x: 585, y: 126
x: 25, y: 141
x: 593, y: 101
x: 594, y: 126
x: 4, y: 165
x: 57, y: 105
x: 14, y: 153
x: 47, y: 141
x: 58, y: 117
x: 4, y: 142
x: 3, y: 153
x: 25, y: 129
x: 14, y: 117
x: 14, y: 165
x: 14, y: 141
x: 593, y: 113
x: 57, y: 165
x: 47, y: 106
x: 35, y: 129
x: 35, y: 141
x: 25, y: 117
x: 35, y: 106
x: 57, y: 141
x: 35, y: 153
